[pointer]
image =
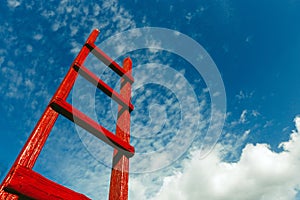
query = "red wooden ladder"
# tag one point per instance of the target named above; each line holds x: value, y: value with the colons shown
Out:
x: 22, y: 182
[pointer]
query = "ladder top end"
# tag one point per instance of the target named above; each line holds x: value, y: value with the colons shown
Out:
x: 96, y: 30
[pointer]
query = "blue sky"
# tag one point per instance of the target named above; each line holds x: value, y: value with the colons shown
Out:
x: 255, y: 46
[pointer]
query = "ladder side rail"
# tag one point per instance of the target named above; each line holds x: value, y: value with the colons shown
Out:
x: 21, y: 172
x: 32, y: 148
x: 120, y: 169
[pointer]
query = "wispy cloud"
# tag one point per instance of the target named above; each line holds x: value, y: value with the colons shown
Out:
x: 85, y: 166
x: 13, y: 3
x: 244, y: 95
x: 243, y: 117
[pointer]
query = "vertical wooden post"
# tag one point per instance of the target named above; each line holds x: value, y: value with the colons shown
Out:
x: 120, y: 169
x: 21, y: 180
x: 31, y: 150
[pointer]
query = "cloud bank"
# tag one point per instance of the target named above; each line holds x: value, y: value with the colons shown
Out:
x: 259, y: 174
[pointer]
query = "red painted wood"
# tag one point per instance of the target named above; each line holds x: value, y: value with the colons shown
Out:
x: 32, y: 148
x: 88, y: 75
x: 109, y: 62
x: 33, y: 185
x: 69, y: 80
x: 120, y: 169
x: 90, y: 125
x: 22, y: 181
x: 34, y: 144
x: 7, y: 196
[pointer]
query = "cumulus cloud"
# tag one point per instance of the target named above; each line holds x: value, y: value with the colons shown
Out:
x: 259, y: 174
x: 209, y: 178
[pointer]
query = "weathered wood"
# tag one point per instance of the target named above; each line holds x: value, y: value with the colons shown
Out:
x: 26, y: 182
x: 120, y: 169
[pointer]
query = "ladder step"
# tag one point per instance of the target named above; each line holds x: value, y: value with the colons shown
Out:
x: 90, y: 125
x: 28, y: 183
x: 88, y: 75
x: 96, y: 51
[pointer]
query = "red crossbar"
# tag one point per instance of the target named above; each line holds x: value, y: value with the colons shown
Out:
x: 90, y: 125
x: 96, y: 51
x: 88, y: 75
x: 28, y: 183
x: 21, y: 181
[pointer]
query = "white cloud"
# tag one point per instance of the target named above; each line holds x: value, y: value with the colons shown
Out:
x: 255, y: 113
x: 13, y: 3
x: 37, y: 36
x: 87, y: 175
x: 78, y: 170
x: 244, y: 95
x: 29, y: 48
x: 260, y: 174
x: 243, y: 116
x: 139, y: 190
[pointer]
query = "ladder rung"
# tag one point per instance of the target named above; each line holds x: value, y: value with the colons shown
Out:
x: 108, y: 61
x: 26, y: 182
x: 90, y: 125
x: 88, y: 75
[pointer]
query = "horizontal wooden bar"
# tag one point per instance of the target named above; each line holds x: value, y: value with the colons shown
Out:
x: 25, y: 182
x: 88, y: 75
x: 90, y: 125
x: 96, y: 51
